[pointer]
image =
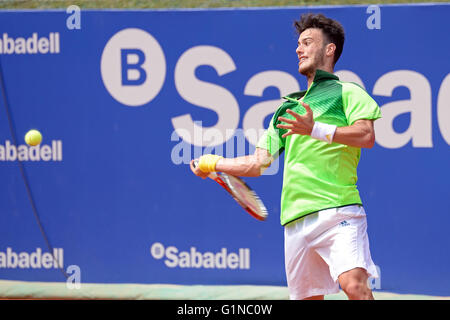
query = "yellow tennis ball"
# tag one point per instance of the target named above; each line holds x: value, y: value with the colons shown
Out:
x: 33, y: 137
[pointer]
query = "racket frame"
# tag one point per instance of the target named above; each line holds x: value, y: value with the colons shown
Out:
x: 224, y: 180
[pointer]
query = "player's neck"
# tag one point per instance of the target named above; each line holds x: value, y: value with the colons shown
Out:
x: 310, y: 77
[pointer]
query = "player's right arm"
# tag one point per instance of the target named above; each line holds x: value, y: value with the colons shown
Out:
x: 246, y: 166
x: 267, y: 149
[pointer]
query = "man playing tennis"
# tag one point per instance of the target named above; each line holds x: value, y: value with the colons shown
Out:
x: 322, y: 131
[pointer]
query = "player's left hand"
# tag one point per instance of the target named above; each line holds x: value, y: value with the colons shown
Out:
x: 300, y: 125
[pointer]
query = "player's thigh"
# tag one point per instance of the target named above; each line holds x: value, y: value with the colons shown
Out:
x: 346, y: 245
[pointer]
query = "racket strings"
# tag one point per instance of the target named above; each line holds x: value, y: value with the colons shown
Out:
x: 246, y: 197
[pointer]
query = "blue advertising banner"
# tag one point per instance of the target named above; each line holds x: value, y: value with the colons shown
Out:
x: 125, y: 99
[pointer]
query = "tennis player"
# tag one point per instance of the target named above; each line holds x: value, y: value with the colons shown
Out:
x: 322, y: 131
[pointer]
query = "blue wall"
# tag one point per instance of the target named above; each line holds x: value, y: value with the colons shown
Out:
x: 116, y: 102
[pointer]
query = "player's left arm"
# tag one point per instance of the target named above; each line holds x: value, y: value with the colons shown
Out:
x: 360, y: 134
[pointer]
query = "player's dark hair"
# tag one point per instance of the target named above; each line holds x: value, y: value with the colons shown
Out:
x: 333, y: 30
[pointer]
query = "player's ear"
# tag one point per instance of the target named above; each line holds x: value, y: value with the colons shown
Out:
x: 330, y: 49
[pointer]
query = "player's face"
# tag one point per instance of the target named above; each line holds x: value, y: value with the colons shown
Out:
x: 310, y: 51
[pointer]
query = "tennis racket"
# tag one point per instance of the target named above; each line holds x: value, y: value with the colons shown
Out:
x: 241, y: 192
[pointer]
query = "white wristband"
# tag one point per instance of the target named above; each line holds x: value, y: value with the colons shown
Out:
x: 323, y: 131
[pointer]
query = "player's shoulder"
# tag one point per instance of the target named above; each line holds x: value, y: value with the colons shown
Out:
x: 353, y: 91
x: 353, y: 87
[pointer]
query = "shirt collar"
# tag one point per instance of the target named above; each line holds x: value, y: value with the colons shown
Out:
x: 320, y: 76
x: 323, y: 75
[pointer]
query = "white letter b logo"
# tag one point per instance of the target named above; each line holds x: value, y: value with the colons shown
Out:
x: 133, y: 67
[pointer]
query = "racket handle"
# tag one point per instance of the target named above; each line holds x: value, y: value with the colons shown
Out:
x: 211, y: 175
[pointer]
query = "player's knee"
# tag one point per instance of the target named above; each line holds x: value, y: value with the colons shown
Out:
x: 357, y: 290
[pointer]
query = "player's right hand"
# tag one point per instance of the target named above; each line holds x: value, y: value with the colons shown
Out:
x: 197, y: 171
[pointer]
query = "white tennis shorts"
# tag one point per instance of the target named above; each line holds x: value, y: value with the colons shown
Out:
x: 321, y: 246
